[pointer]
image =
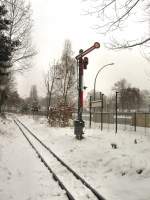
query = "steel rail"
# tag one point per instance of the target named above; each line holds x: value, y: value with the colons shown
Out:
x: 55, y: 177
x: 99, y: 196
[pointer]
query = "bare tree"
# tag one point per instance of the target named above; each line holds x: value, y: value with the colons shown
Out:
x: 115, y: 16
x: 19, y: 13
x: 61, y: 82
x: 121, y: 85
x: 129, y: 97
x: 67, y: 73
x: 61, y: 79
x: 50, y: 82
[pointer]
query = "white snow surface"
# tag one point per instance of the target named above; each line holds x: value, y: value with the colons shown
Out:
x: 22, y: 176
x: 117, y: 174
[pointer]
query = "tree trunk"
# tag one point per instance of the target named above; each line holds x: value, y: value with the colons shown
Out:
x: 0, y: 102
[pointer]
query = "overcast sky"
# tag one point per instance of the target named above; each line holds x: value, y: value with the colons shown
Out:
x: 55, y: 21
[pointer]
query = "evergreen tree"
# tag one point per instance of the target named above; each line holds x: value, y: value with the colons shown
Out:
x: 33, y: 93
x: 33, y: 99
x: 7, y: 47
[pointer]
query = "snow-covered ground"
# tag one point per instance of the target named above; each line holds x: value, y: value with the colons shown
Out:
x: 22, y: 176
x: 117, y: 173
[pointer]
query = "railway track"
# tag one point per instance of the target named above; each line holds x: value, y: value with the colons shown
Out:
x: 75, y: 187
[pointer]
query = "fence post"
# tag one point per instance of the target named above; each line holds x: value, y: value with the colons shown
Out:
x: 125, y: 120
x: 135, y: 121
x: 90, y: 113
x: 116, y: 112
x: 145, y: 123
x: 102, y: 112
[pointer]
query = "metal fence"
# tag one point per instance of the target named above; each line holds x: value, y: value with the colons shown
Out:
x: 126, y: 121
x: 130, y: 121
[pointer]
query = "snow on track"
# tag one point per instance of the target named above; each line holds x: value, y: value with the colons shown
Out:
x: 22, y: 176
x: 112, y: 172
x: 73, y: 185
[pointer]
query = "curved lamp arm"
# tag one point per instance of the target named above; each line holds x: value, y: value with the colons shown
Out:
x: 98, y: 73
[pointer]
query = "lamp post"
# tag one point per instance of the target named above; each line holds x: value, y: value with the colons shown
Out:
x: 116, y: 110
x: 98, y: 73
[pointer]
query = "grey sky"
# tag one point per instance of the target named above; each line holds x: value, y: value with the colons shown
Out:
x: 55, y: 21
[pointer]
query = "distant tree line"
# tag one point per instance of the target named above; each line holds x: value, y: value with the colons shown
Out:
x: 129, y: 98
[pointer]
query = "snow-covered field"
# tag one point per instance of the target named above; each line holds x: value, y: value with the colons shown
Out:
x: 117, y: 173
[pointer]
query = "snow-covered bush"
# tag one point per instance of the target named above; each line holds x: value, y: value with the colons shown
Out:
x: 60, y: 115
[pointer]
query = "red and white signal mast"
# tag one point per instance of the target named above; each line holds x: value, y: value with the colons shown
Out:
x: 82, y: 64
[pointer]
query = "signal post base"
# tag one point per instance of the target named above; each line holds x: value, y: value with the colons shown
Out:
x: 78, y: 129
